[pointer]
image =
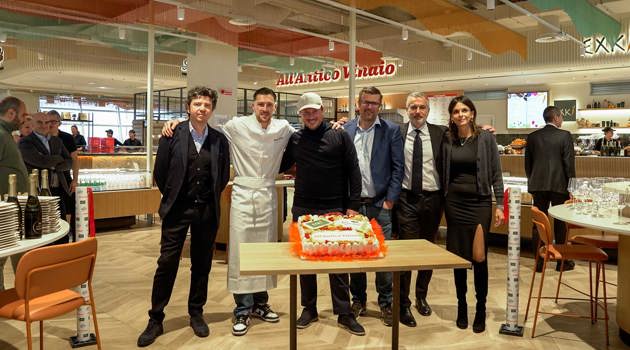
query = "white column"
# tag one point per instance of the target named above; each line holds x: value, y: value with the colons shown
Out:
x: 149, y: 118
x: 215, y: 65
x: 352, y: 63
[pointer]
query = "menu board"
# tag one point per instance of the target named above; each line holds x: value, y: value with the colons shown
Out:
x: 438, y: 108
x: 525, y: 109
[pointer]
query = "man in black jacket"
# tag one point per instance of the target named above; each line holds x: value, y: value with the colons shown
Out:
x: 328, y: 179
x: 191, y: 170
x: 549, y: 163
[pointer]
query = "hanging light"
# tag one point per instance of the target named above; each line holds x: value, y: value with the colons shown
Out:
x: 180, y: 13
x: 122, y: 33
x: 331, y: 45
x: 239, y: 68
x: 291, y: 61
x: 405, y: 34
x: 3, y: 37
x: 490, y: 4
x: 582, y: 50
x: 400, y: 62
x: 469, y: 55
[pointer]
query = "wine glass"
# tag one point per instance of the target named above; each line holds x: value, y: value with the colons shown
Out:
x: 571, y: 188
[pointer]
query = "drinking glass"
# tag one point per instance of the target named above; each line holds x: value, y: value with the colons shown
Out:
x: 572, y: 187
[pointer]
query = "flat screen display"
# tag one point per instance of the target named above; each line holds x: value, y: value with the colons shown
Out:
x: 525, y: 109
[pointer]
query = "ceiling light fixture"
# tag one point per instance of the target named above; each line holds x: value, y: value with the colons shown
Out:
x: 331, y: 45
x: 400, y: 63
x: 490, y: 4
x: 40, y: 56
x: 3, y: 37
x: 255, y: 83
x: 239, y: 68
x: 122, y: 33
x: 181, y: 13
x: 582, y: 51
x: 405, y: 34
x: 291, y: 61
x: 242, y: 21
x: 469, y: 55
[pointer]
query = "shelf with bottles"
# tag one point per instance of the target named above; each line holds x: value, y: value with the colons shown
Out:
x: 114, y: 179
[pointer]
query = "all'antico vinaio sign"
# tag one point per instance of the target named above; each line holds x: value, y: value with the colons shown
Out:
x: 331, y: 76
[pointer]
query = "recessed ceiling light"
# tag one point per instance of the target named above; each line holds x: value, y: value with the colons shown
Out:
x: 91, y: 83
x: 103, y: 87
x: 242, y: 21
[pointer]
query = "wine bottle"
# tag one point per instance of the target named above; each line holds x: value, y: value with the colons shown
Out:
x: 13, y: 199
x: 45, y: 190
x: 36, y: 173
x: 32, y: 212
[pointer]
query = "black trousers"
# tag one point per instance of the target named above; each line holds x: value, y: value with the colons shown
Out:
x: 542, y: 200
x: 200, y: 219
x: 418, y: 218
x: 339, y: 283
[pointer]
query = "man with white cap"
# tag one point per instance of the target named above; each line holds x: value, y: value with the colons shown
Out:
x: 328, y: 179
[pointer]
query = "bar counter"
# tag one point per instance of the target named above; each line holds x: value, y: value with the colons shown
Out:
x: 585, y: 166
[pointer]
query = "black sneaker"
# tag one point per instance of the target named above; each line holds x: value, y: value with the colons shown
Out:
x: 199, y: 326
x: 154, y: 329
x: 306, y: 318
x: 264, y: 312
x: 240, y: 325
x: 349, y: 323
x: 568, y: 265
x: 386, y: 315
x: 358, y: 309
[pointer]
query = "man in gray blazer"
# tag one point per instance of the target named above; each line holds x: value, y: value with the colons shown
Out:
x: 549, y: 163
x: 379, y: 151
x: 40, y: 150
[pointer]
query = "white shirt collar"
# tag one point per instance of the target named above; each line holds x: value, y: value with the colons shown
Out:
x: 424, y: 129
x: 376, y: 122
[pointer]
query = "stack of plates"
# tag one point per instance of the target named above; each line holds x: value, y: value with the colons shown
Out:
x: 50, y: 212
x: 9, y: 229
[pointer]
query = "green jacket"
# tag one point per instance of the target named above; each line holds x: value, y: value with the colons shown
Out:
x: 11, y: 161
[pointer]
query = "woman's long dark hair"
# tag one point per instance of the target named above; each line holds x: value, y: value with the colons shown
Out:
x: 453, y: 132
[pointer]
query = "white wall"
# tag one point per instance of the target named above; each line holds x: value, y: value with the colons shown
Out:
x: 565, y: 91
x: 31, y: 99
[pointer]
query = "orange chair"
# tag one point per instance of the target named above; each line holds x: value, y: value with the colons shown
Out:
x: 561, y: 252
x: 43, y: 280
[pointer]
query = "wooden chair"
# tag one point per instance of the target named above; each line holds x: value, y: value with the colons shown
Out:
x: 43, y: 280
x: 561, y: 252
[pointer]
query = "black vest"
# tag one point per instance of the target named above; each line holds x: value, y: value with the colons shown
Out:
x: 197, y: 187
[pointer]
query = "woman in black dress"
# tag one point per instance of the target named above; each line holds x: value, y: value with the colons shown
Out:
x: 472, y: 173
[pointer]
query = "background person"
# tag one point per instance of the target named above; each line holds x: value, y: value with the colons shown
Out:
x: 79, y: 140
x: 110, y: 134
x: 472, y: 173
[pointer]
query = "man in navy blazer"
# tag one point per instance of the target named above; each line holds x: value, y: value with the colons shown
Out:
x: 191, y: 170
x: 380, y: 154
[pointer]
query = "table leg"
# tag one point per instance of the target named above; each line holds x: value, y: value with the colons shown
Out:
x: 292, y: 312
x: 395, y: 309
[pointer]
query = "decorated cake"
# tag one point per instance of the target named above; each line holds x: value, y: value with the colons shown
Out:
x: 337, y: 237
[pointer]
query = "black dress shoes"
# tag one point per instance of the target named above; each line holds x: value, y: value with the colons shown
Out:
x: 423, y: 307
x: 154, y: 329
x: 406, y: 317
x: 306, y: 318
x: 199, y: 326
x: 349, y: 323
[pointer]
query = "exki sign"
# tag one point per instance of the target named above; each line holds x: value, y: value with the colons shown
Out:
x: 595, y: 46
x: 331, y: 76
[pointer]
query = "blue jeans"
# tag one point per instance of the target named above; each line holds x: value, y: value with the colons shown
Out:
x: 358, y: 281
x: 245, y: 302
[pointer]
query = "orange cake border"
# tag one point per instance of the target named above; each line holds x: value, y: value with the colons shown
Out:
x: 296, y: 245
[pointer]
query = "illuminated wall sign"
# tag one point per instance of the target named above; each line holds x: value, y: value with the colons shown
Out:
x: 331, y: 76
x: 596, y: 46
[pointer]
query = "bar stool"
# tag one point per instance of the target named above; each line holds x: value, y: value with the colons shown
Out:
x: 561, y: 252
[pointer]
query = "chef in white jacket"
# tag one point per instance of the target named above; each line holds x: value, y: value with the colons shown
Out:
x: 257, y: 143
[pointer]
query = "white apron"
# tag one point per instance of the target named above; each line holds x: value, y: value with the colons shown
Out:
x: 256, y: 156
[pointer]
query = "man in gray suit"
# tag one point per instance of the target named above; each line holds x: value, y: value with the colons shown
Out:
x: 549, y: 163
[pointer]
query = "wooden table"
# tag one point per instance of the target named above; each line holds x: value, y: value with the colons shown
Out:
x: 405, y: 255
x: 25, y: 245
x: 564, y: 213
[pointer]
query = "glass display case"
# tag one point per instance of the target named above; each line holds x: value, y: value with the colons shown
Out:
x: 114, y: 179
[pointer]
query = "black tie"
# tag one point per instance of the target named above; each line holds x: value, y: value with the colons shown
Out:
x: 416, y: 169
